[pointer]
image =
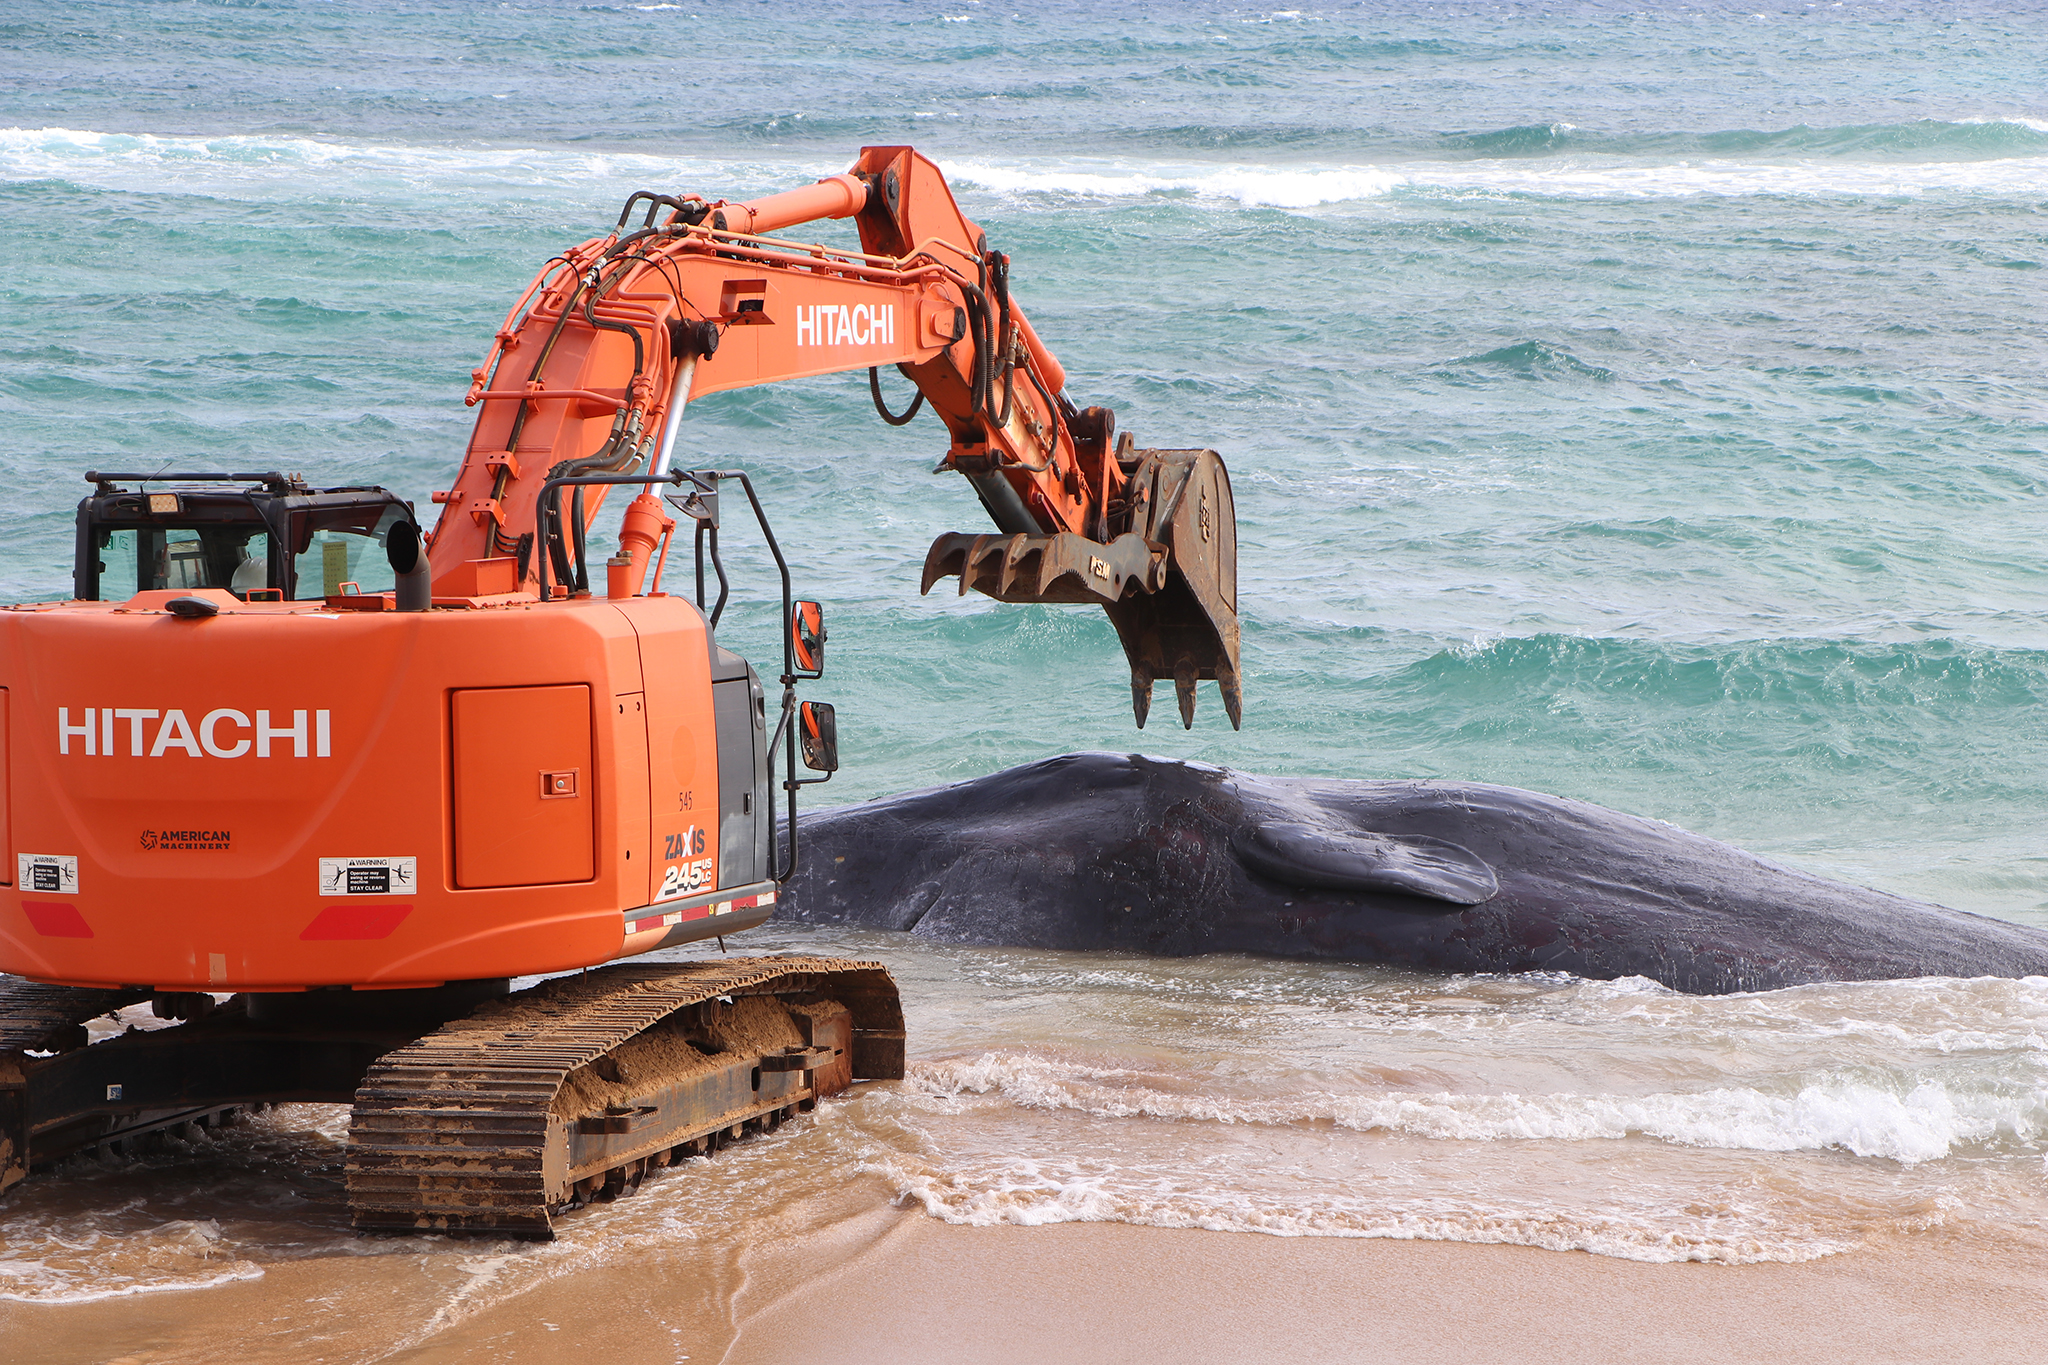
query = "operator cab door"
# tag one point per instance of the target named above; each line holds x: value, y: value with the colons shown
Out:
x: 744, y: 815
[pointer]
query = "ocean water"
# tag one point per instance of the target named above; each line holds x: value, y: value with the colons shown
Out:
x: 1641, y: 403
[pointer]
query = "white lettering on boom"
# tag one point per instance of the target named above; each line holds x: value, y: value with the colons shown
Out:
x: 835, y: 324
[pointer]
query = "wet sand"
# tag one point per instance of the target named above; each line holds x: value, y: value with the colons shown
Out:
x: 864, y: 1281
x: 1187, y: 1098
x: 1112, y: 1292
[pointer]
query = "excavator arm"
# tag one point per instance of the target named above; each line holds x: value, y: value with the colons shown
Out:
x: 594, y: 365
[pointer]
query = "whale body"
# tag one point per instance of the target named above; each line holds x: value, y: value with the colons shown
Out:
x: 1158, y: 856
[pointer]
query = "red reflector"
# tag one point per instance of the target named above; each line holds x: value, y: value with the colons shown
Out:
x: 356, y: 921
x: 56, y: 919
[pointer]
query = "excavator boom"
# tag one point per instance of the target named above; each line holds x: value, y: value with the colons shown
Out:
x: 686, y: 296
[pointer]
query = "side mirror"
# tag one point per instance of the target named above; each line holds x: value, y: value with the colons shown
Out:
x: 818, y: 732
x: 807, y: 641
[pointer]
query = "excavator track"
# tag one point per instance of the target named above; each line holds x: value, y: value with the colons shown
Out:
x: 38, y: 1017
x: 466, y: 1129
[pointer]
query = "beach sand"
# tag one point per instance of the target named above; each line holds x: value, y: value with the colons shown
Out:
x: 869, y: 1282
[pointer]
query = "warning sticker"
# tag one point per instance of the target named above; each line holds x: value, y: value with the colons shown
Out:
x: 368, y: 876
x: 48, y: 872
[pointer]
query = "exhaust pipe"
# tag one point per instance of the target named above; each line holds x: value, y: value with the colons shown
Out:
x: 415, y: 579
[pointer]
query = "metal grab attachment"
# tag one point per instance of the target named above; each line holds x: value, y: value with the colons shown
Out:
x: 1168, y: 582
x: 1057, y: 568
x: 1188, y: 630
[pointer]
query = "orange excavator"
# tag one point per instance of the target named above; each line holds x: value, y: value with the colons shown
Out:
x: 318, y: 786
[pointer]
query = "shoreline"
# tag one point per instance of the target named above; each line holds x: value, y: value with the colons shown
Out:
x: 858, y: 1281
x: 1087, y: 1292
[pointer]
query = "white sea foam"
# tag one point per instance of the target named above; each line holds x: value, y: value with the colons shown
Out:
x: 82, y: 1262
x: 1303, y: 188
x: 2039, y: 125
x: 1561, y: 177
x: 271, y: 168
x: 1031, y: 1136
x: 1037, y: 1192
x: 1923, y: 1124
x: 1908, y: 1122
x: 262, y: 167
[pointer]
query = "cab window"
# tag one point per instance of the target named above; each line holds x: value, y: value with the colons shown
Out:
x: 231, y: 557
x: 334, y: 546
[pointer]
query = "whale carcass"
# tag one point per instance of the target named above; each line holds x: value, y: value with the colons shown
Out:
x: 1126, y: 852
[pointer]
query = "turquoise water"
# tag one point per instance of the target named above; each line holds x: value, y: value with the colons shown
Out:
x: 1646, y: 406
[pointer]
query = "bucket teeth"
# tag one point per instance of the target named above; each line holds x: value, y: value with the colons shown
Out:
x: 1168, y: 582
x: 1014, y: 554
x: 1184, y: 689
x: 1062, y: 567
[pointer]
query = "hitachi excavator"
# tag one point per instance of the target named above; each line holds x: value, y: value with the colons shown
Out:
x: 316, y: 786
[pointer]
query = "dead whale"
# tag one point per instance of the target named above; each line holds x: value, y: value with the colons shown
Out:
x: 1112, y: 851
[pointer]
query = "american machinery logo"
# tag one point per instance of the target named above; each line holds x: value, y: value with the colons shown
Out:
x: 186, y: 840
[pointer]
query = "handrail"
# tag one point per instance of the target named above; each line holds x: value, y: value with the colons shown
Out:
x: 784, y: 737
x: 547, y: 490
x: 494, y: 395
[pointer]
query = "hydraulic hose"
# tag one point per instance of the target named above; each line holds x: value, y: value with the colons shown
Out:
x: 875, y: 388
x: 590, y: 299
x: 533, y: 376
x: 615, y: 454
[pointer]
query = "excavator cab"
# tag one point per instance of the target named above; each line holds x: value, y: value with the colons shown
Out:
x: 271, y: 538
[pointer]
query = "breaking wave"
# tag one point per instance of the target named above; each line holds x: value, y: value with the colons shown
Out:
x: 1536, y: 360
x: 1920, y: 139
x: 266, y: 167
x: 73, y: 1261
x: 1912, y: 1123
x: 1810, y: 675
x: 1777, y: 1126
x: 1567, y: 178
x: 1041, y: 1193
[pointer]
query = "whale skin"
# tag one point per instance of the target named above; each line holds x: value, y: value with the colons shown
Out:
x: 1122, y: 852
